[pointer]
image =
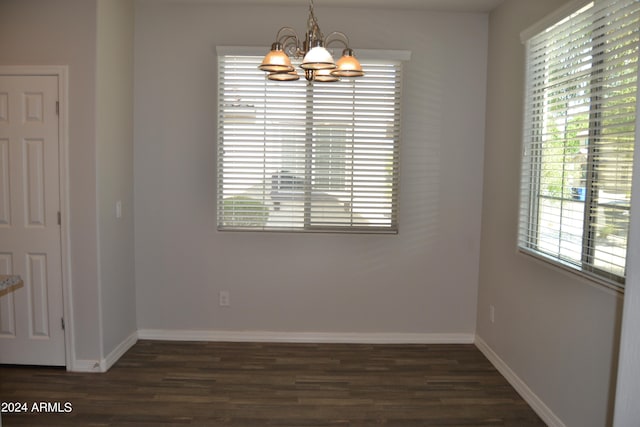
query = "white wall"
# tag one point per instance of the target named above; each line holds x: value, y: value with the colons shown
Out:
x: 114, y: 154
x: 557, y: 332
x: 62, y: 32
x: 422, y: 281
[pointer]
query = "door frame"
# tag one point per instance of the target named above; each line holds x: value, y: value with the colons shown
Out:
x: 62, y: 73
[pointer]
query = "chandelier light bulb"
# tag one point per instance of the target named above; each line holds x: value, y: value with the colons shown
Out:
x: 324, y: 76
x: 318, y: 58
x: 284, y: 76
x: 276, y: 60
x: 348, y: 65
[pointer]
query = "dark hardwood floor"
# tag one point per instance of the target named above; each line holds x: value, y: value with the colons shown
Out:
x: 250, y: 384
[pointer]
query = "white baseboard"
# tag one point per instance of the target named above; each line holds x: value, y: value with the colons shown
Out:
x: 106, y: 363
x: 305, y: 337
x: 521, y: 387
x: 81, y: 365
x: 116, y: 354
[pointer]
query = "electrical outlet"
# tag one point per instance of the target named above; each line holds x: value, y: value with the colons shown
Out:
x: 492, y: 314
x: 224, y: 298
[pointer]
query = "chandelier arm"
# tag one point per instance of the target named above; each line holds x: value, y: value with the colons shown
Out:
x: 291, y: 46
x: 280, y: 38
x: 288, y: 38
x: 341, y: 37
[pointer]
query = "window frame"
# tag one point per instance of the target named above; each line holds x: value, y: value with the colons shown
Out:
x: 531, y: 194
x: 305, y: 185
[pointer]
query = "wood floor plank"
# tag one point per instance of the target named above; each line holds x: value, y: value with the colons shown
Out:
x: 256, y: 384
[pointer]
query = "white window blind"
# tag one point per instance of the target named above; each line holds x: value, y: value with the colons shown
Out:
x: 295, y: 156
x: 579, y: 133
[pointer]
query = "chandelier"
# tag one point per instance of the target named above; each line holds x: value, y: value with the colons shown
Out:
x: 317, y: 63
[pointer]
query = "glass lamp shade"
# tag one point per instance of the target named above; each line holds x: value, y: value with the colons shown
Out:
x: 348, y: 66
x: 324, y: 76
x: 318, y: 58
x: 276, y: 60
x: 284, y: 76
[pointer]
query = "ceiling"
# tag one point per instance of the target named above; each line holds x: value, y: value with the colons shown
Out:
x: 439, y: 5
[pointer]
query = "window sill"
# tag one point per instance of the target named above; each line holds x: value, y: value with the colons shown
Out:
x: 608, y: 286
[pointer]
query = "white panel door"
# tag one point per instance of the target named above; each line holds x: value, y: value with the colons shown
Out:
x: 31, y: 329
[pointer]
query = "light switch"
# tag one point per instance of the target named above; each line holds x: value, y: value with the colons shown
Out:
x: 118, y: 209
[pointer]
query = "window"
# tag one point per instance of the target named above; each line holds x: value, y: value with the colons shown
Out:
x: 294, y: 156
x: 579, y: 133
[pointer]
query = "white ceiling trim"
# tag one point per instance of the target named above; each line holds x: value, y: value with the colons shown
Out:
x: 436, y: 5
